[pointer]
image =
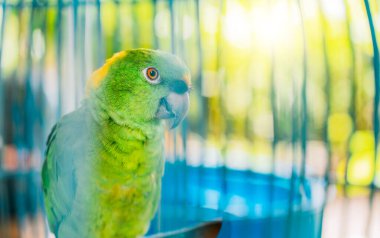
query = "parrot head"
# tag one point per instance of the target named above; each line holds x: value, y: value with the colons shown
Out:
x: 142, y: 86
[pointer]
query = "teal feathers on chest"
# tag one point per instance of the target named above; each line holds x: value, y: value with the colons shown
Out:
x: 102, y: 179
x: 122, y: 180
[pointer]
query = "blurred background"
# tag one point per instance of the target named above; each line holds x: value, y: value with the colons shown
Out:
x: 282, y: 135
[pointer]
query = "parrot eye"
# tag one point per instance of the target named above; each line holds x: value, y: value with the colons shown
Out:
x: 151, y: 74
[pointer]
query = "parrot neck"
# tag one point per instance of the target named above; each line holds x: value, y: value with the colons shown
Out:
x: 103, y: 118
x: 118, y: 143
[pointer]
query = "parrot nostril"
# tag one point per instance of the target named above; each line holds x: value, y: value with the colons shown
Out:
x: 178, y: 86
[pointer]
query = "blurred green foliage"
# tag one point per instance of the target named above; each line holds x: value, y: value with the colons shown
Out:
x: 252, y: 62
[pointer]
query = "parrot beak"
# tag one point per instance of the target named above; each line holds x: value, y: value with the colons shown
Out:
x: 175, y: 106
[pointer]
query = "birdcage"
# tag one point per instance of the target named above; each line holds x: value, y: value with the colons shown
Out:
x: 282, y: 133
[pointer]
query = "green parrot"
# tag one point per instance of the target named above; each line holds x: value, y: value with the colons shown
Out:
x: 104, y: 161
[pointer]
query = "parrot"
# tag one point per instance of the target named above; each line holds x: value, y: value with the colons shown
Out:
x: 104, y: 161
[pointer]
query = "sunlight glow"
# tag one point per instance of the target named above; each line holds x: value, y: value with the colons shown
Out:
x: 210, y: 19
x: 11, y: 49
x: 271, y: 27
x: 162, y: 24
x: 38, y: 48
x: 236, y: 26
x: 261, y: 25
x: 188, y: 27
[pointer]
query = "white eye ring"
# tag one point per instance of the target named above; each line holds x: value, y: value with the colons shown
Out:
x: 152, y: 75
